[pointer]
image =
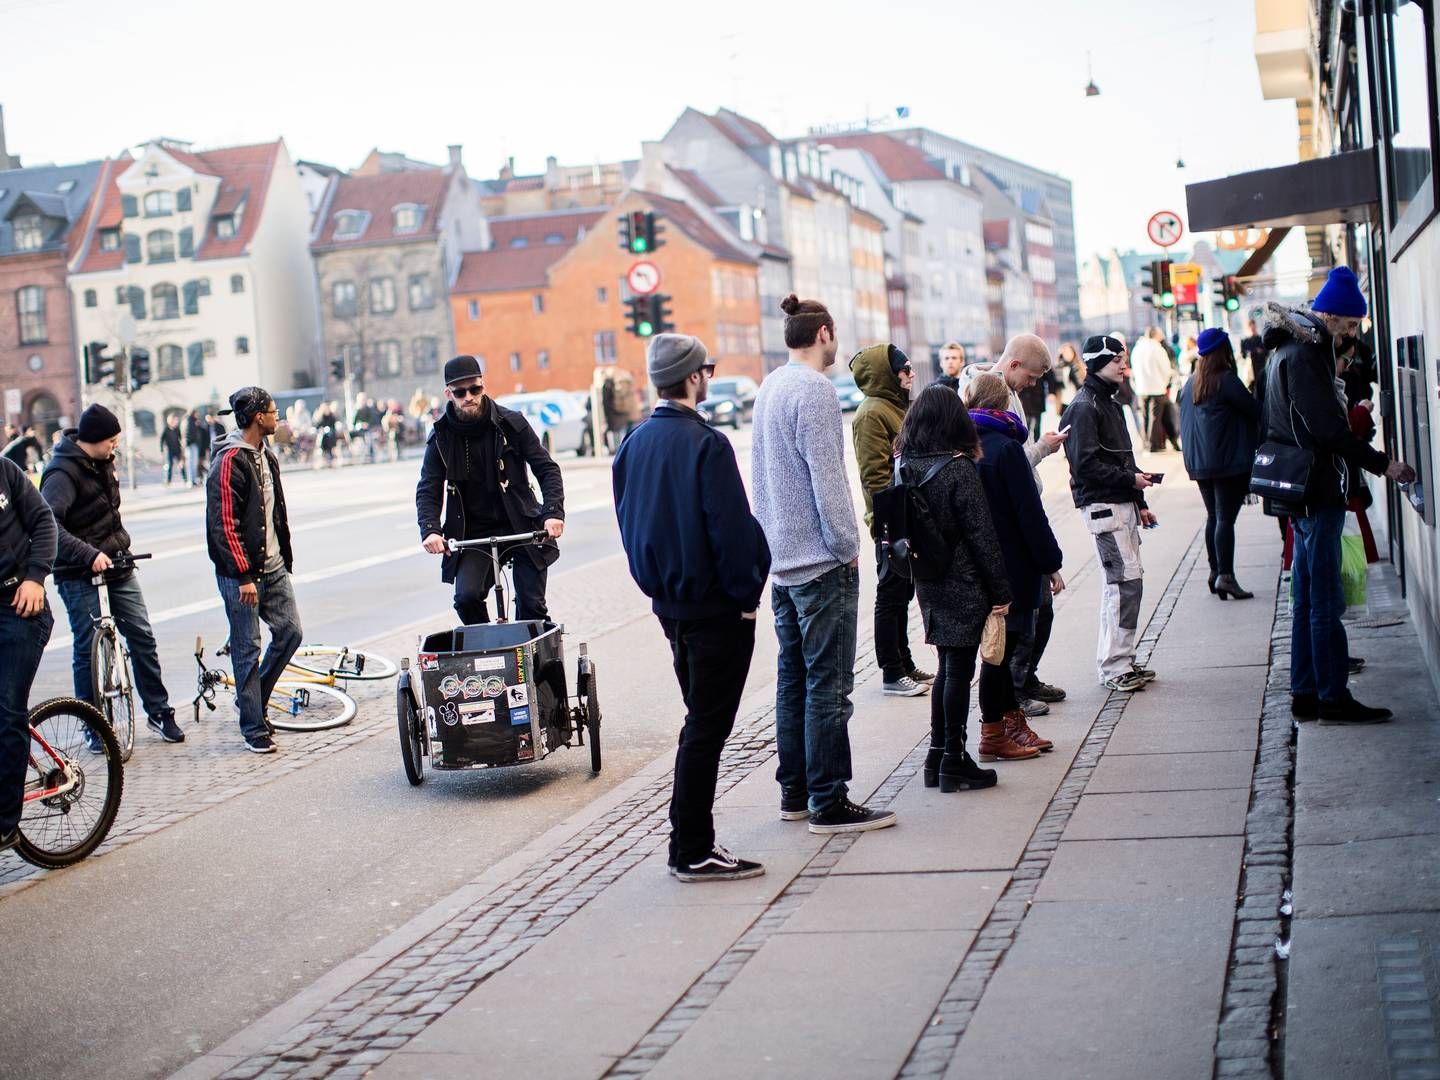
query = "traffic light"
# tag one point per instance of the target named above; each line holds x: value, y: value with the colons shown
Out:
x: 640, y: 232
x: 649, y: 315
x: 1167, y: 291
x: 1228, y: 290
x: 99, y: 368
x: 337, y: 368
x: 660, y: 313
x: 139, y: 368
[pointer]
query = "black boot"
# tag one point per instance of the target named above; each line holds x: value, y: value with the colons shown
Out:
x: 932, y: 765
x: 960, y: 773
x: 1213, y: 576
x: 1226, y: 587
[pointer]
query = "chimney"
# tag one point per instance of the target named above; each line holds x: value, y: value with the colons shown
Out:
x: 455, y: 162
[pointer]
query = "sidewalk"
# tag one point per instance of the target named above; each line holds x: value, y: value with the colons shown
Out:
x: 1109, y: 910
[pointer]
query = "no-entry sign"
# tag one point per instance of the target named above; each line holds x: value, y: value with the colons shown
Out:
x: 643, y: 278
x: 1164, y: 228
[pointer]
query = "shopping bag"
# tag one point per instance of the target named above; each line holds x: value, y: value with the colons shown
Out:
x: 1352, y: 569
x: 992, y: 640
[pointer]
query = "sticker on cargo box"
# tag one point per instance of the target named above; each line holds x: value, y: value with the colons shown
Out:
x: 517, y: 695
x: 489, y: 663
x: 519, y: 714
x: 477, y: 712
x: 450, y: 713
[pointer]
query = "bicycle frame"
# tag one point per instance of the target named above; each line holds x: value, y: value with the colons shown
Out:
x: 65, y: 767
x: 502, y: 614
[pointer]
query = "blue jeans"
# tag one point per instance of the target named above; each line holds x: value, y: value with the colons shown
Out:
x: 127, y: 607
x: 22, y: 643
x: 815, y: 623
x: 1319, y: 652
x: 254, y: 679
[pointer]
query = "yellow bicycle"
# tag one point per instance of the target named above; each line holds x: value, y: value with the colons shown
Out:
x: 307, y: 697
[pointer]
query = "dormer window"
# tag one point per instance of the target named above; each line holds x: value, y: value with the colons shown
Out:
x: 65, y: 187
x: 350, y: 224
x: 225, y: 226
x: 554, y: 238
x: 159, y: 203
x: 519, y: 241
x: 408, y: 217
x: 109, y: 239
x: 29, y: 232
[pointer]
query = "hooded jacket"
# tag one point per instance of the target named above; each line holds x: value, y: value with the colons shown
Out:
x: 516, y: 448
x: 235, y: 510
x: 877, y: 421
x: 1102, y: 463
x: 1305, y: 407
x: 84, y: 496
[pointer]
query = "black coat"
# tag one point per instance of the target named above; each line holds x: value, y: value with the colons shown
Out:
x: 1029, y: 548
x: 84, y: 495
x: 1219, y: 435
x: 954, y: 608
x: 440, y: 509
x: 235, y: 511
x: 1304, y: 407
x: 1102, y: 463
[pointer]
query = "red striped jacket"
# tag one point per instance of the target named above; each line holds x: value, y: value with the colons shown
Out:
x: 234, y: 511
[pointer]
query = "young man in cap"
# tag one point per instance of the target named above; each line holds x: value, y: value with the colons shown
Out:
x: 1303, y: 409
x: 1109, y: 489
x: 84, y: 495
x: 249, y: 540
x: 27, y: 551
x: 473, y: 484
x: 695, y: 549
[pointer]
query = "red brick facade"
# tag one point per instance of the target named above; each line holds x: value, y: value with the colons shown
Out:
x: 44, y: 371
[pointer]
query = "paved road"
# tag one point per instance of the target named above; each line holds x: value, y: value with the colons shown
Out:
x: 133, y: 963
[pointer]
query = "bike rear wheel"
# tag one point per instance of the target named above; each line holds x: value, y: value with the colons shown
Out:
x: 342, y: 662
x: 411, y: 750
x: 72, y: 792
x: 302, y: 706
x: 113, y: 688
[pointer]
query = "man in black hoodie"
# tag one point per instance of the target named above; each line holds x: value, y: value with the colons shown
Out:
x: 1109, y: 490
x: 84, y: 494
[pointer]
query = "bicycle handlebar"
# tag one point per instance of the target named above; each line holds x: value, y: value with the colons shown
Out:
x: 125, y: 559
x: 537, y: 537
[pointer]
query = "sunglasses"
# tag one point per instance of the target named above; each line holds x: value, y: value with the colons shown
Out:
x: 467, y: 391
x: 708, y: 369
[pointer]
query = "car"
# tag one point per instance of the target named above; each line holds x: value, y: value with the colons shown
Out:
x: 741, y: 388
x: 557, y: 417
x: 721, y: 410
x: 849, y: 394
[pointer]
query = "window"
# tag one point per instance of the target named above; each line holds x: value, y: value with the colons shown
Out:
x: 164, y: 302
x: 242, y: 345
x: 350, y: 224
x: 195, y: 358
x: 109, y: 239
x: 604, y: 346
x: 202, y: 287
x: 160, y: 246
x: 422, y: 292
x: 237, y: 283
x: 473, y: 310
x: 514, y: 361
x: 182, y: 199
x: 387, y: 358
x: 187, y: 242
x: 129, y: 207
x: 537, y: 303
x: 542, y: 359
x: 135, y: 297
x: 191, y: 293
x: 30, y: 304
x: 159, y: 204
x: 90, y: 298
x: 602, y: 295
x: 343, y: 300
x: 169, y: 363
x: 382, y: 295
x: 554, y: 238
x: 1407, y: 75
x: 208, y: 346
x: 29, y: 232
x: 65, y: 187
x: 408, y: 217
x: 132, y: 248
x: 426, y: 355
x: 519, y: 241
x: 225, y: 226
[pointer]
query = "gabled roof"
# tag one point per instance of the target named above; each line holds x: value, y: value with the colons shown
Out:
x: 501, y: 269
x: 741, y: 130
x: 695, y: 227
x: 702, y: 191
x: 378, y: 195
x: 38, y: 188
x: 897, y: 160
x: 537, y: 229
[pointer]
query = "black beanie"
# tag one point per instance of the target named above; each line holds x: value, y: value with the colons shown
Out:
x: 97, y: 424
x: 898, y: 360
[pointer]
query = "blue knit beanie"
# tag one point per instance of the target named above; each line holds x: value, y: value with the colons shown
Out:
x: 1341, y: 295
x: 1210, y: 340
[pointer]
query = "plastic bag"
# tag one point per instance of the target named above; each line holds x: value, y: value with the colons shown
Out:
x: 1352, y: 569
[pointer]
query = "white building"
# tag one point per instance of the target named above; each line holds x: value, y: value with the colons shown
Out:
x: 203, y: 259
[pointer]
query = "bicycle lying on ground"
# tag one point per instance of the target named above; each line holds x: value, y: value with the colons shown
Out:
x: 112, y: 677
x: 72, y: 792
x: 307, y: 697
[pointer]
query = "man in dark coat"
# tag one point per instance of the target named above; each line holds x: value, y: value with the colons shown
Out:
x: 197, y: 446
x: 475, y: 470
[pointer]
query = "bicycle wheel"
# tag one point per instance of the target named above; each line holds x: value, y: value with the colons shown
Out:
x: 592, y: 721
x: 410, y: 744
x: 300, y: 706
x: 113, y: 689
x: 72, y: 792
x: 342, y: 662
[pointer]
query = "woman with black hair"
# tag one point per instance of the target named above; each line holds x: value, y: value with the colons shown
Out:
x: 938, y: 430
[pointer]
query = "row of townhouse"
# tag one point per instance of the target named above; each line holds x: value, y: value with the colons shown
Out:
x: 241, y: 265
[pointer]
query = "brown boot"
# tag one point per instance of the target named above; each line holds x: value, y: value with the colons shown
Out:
x: 997, y: 745
x: 1017, y: 726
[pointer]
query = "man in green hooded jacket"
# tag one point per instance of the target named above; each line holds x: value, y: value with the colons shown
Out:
x: 883, y: 374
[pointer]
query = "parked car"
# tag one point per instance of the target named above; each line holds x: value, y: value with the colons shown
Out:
x: 741, y: 388
x: 557, y: 417
x: 721, y: 410
x: 845, y: 388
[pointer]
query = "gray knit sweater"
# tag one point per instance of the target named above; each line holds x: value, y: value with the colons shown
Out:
x: 799, y: 489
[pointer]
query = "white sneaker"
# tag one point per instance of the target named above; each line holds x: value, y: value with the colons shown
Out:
x: 905, y: 687
x: 1125, y: 683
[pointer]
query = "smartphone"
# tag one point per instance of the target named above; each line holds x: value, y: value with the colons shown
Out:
x: 1065, y: 430
x: 1156, y: 477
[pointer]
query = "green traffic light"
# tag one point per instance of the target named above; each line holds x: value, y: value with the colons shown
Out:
x: 638, y: 245
x: 1167, y: 299
x: 646, y: 329
x: 1232, y: 303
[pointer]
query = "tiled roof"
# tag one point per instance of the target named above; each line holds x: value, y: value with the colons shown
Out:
x: 753, y: 128
x: 536, y: 229
x: 507, y: 268
x: 703, y: 191
x: 378, y: 195
x: 742, y: 131
x: 897, y: 160
x: 38, y: 187
x: 696, y: 228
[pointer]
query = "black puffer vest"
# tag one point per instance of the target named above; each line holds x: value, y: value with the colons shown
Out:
x: 94, y: 515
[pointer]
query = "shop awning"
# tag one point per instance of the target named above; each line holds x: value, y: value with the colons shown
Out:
x: 1322, y: 191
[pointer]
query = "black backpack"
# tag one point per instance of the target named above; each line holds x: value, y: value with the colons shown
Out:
x: 912, y: 544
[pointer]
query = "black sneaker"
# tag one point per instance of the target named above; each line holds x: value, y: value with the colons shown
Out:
x: 1036, y: 690
x: 166, y: 726
x: 846, y: 816
x: 1351, y: 711
x: 1304, y: 706
x: 10, y: 839
x: 794, y: 804
x: 719, y: 865
x: 260, y: 744
x: 1356, y: 664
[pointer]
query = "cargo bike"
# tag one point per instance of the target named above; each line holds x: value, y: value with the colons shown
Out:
x: 493, y: 695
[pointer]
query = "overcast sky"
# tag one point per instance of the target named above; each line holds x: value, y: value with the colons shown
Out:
x: 589, y: 81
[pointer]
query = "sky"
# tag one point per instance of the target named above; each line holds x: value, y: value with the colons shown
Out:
x: 588, y: 82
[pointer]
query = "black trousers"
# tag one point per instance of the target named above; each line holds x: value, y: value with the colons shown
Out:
x: 1031, y: 646
x: 475, y: 575
x: 712, y: 659
x: 892, y: 620
x: 997, y: 688
x: 1223, y: 498
x: 950, y: 698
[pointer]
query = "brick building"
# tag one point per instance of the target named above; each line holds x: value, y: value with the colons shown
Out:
x: 546, y: 304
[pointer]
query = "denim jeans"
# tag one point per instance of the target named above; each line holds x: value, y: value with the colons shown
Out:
x: 1319, y: 651
x: 22, y: 643
x: 254, y: 680
x: 712, y: 659
x: 893, y: 595
x: 815, y: 623
x: 192, y: 464
x: 127, y: 607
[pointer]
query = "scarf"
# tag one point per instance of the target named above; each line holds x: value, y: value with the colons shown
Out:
x: 1000, y: 420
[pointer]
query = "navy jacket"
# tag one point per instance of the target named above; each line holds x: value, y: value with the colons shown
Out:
x: 694, y: 547
x: 1026, y: 541
x: 1219, y: 435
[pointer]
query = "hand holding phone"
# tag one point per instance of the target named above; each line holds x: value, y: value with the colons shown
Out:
x: 1156, y: 477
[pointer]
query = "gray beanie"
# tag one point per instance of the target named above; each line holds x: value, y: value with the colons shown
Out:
x: 673, y: 358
